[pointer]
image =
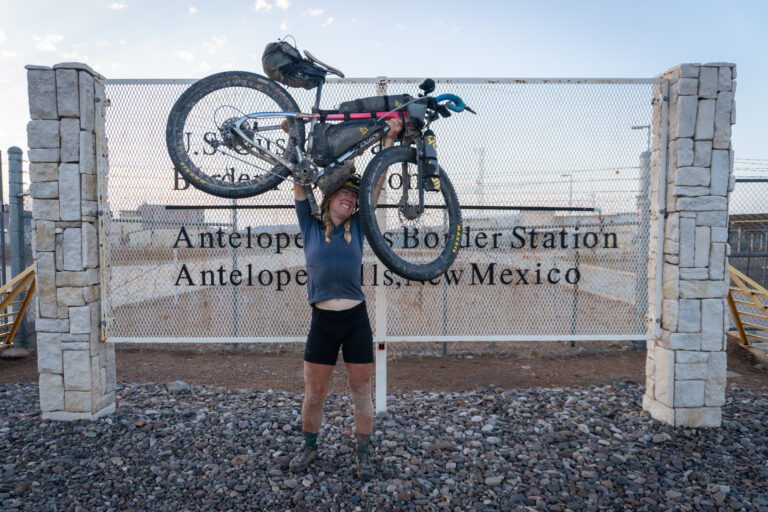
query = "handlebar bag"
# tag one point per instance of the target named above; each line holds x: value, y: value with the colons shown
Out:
x: 330, y: 141
x: 375, y: 103
x: 283, y: 63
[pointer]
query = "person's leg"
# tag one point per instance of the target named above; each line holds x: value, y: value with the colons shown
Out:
x: 360, y: 387
x: 317, y: 378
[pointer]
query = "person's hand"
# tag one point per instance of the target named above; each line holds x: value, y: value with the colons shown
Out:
x: 395, y: 127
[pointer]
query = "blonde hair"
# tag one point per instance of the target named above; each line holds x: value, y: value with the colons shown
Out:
x: 329, y: 226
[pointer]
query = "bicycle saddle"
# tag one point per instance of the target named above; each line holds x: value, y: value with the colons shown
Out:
x: 317, y: 61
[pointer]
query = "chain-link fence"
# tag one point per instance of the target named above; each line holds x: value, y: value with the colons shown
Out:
x: 552, y: 176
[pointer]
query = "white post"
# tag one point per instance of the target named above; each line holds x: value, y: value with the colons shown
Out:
x: 381, y: 306
x: 77, y: 369
x: 686, y: 363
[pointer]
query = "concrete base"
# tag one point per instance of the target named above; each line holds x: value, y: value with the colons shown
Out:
x: 694, y: 417
x: 71, y: 416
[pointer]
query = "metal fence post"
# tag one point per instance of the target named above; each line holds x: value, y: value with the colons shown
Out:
x: 3, y: 278
x: 641, y: 261
x: 16, y: 205
x: 381, y: 308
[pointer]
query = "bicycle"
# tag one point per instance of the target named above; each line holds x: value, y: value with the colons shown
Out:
x: 248, y: 118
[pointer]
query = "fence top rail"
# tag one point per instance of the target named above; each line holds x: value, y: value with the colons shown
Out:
x: 373, y: 80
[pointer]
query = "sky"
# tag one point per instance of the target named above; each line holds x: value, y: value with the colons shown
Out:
x: 523, y: 39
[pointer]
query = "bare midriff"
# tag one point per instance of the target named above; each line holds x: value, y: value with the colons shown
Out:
x: 337, y: 304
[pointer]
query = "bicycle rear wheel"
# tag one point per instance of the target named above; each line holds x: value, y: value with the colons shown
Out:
x: 412, y: 245
x: 214, y: 159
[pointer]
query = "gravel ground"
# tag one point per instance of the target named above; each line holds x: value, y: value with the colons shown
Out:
x: 179, y: 447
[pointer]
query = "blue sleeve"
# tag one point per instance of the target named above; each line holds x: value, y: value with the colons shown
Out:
x: 304, y: 214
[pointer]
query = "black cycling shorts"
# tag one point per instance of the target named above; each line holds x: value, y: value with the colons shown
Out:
x: 349, y: 329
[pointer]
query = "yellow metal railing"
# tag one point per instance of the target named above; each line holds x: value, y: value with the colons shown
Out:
x: 16, y: 292
x: 754, y: 306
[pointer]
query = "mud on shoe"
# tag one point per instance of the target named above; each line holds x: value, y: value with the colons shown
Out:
x: 301, y: 462
x: 365, y: 470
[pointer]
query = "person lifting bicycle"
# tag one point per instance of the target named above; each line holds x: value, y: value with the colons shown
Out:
x: 333, y: 248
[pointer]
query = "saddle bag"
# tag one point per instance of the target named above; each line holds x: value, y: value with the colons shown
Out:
x: 283, y: 63
x: 330, y: 141
x: 375, y: 103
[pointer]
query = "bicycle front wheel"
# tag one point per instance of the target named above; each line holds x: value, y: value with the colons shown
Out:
x: 416, y: 246
x: 206, y: 151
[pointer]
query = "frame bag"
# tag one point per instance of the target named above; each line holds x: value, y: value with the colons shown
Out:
x: 330, y: 141
x: 375, y: 103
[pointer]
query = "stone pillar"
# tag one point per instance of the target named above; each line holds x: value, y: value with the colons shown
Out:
x: 686, y: 365
x: 77, y: 369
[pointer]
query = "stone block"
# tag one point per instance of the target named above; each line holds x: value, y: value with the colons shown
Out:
x: 41, y: 89
x: 671, y: 247
x: 80, y: 320
x: 688, y: 393
x: 70, y: 296
x: 691, y: 357
x: 88, y: 189
x: 733, y: 112
x: 90, y: 208
x: 45, y: 172
x: 670, y: 277
x: 77, y: 370
x: 690, y: 371
x: 718, y: 218
x: 714, y: 389
x: 95, y: 336
x: 712, y: 330
x: 731, y: 183
x: 701, y: 251
x: 49, y: 352
x: 680, y: 340
x: 694, y: 273
x: 705, y: 120
x: 52, y: 325
x: 724, y: 78
x: 43, y: 155
x: 684, y: 152
x: 45, y: 209
x: 722, y: 135
x: 687, y: 86
x: 69, y: 191
x: 86, y: 277
x: 672, y: 259
x: 86, y: 101
x: 75, y: 345
x: 702, y: 153
x: 87, y: 153
x: 77, y: 401
x: 703, y: 289
x: 43, y: 236
x: 689, y: 70
x: 719, y: 234
x: 92, y: 293
x: 67, y: 95
x: 669, y: 314
x: 720, y: 172
x: 684, y: 191
x: 699, y: 417
x: 658, y: 410
x: 705, y: 203
x: 51, y: 391
x: 689, y: 316
x: 664, y: 362
x: 685, y: 113
x: 72, y: 249
x: 45, y: 279
x: 44, y: 190
x: 708, y: 79
x: 70, y: 139
x: 717, y: 261
x: 43, y: 134
x: 687, y: 241
x: 109, y: 365
x: 67, y: 338
x: 90, y: 246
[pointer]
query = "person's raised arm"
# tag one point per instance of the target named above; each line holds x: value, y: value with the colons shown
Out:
x: 395, y: 127
x: 299, y: 193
